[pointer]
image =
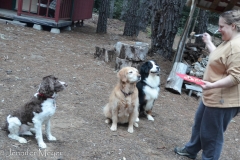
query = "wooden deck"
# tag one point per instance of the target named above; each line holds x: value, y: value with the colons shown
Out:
x: 10, y: 14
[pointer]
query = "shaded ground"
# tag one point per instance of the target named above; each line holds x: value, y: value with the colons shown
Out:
x: 78, y: 123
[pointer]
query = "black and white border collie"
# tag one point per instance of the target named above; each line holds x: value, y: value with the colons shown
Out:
x: 38, y: 111
x: 148, y: 87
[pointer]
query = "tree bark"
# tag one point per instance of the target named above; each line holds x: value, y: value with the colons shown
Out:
x: 166, y: 17
x: 144, y: 14
x: 201, y: 27
x: 111, y: 10
x: 102, y: 18
x: 124, y: 9
x: 132, y: 19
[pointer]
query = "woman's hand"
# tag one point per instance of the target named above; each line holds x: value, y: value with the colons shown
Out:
x: 207, y: 85
x: 222, y: 83
x: 207, y: 39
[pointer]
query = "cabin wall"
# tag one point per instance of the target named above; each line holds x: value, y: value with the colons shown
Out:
x: 7, y: 4
x: 82, y: 9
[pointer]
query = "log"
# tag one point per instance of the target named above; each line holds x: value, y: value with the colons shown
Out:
x: 105, y: 54
x: 174, y: 83
x: 120, y: 63
x: 133, y: 51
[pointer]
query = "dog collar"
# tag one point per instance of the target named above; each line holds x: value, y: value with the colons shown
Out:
x: 127, y: 94
x: 42, y: 95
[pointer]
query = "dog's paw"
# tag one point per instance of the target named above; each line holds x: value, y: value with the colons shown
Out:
x: 22, y: 140
x: 113, y: 128
x: 42, y: 145
x: 130, y: 129
x: 107, y: 121
x: 51, y: 138
x: 137, y: 119
x: 150, y: 118
x: 135, y: 125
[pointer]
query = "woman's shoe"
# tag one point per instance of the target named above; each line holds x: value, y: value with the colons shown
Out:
x: 183, y: 152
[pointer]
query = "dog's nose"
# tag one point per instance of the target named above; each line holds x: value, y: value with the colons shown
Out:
x: 65, y: 85
x: 158, y: 69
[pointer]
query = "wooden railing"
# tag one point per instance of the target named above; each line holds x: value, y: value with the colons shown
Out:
x: 41, y: 8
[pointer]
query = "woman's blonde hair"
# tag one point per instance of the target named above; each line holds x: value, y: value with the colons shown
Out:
x: 232, y: 17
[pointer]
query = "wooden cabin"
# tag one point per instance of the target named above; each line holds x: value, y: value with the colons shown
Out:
x: 53, y: 13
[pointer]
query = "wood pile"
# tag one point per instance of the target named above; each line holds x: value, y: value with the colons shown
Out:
x: 196, y: 57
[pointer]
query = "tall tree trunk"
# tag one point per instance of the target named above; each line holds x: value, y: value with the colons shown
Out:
x: 201, y: 27
x: 166, y: 17
x: 144, y: 13
x: 102, y: 18
x: 132, y: 19
x: 124, y: 9
x: 111, y: 10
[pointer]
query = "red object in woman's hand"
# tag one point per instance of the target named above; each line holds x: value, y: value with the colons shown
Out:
x: 191, y: 79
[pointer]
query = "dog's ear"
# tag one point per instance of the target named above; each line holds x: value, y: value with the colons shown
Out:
x: 122, y: 75
x: 145, y: 68
x: 47, y: 85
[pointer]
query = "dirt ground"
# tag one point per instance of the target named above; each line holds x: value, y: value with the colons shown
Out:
x: 27, y: 55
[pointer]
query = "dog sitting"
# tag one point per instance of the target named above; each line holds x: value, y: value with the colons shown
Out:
x: 36, y: 112
x: 148, y: 87
x: 123, y: 102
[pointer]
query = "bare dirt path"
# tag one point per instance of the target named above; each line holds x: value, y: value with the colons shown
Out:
x: 28, y: 55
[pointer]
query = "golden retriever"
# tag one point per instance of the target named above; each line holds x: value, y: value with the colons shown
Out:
x: 123, y: 102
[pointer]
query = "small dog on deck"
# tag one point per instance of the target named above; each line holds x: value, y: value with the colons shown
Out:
x: 123, y: 102
x: 36, y: 112
x: 148, y: 87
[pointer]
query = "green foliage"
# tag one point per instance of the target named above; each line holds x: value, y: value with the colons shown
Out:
x: 184, y: 18
x: 213, y: 19
x: 149, y: 32
x: 117, y: 9
x: 96, y: 6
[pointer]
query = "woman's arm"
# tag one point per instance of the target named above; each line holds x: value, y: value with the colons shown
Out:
x: 222, y: 83
x: 207, y: 39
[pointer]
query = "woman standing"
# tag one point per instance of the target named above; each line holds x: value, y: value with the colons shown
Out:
x: 221, y: 91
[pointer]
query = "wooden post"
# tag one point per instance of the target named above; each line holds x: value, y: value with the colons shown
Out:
x: 57, y: 10
x: 19, y: 11
x: 194, y: 24
x: 30, y: 5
